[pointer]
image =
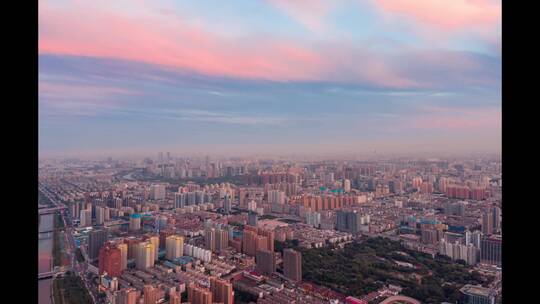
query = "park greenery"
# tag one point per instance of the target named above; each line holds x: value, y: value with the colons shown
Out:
x: 279, y: 246
x: 363, y: 267
x: 69, y: 288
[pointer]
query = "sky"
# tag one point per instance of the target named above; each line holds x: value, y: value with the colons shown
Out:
x: 269, y: 76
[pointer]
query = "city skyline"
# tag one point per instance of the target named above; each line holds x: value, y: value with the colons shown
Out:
x: 305, y: 77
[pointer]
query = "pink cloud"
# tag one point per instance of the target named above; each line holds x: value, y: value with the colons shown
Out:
x: 176, y: 42
x: 447, y: 14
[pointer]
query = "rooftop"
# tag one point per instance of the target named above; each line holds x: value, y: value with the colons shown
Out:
x: 476, y: 290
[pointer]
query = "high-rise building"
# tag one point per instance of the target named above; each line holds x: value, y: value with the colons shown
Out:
x: 150, y: 294
x: 266, y: 261
x: 313, y: 219
x: 110, y: 260
x: 144, y: 258
x: 163, y: 234
x: 222, y: 240
x: 198, y: 295
x: 252, y: 206
x: 157, y: 192
x: 100, y: 215
x: 180, y: 200
x: 210, y: 239
x: 128, y: 296
x: 154, y: 239
x: 96, y: 239
x: 476, y: 239
x: 227, y: 204
x: 417, y: 182
x: 346, y: 185
x: 491, y: 250
x: 457, y: 251
x: 467, y: 238
x: 252, y: 219
x: 249, y: 245
x: 123, y: 247
x: 135, y: 222
x: 496, y: 213
x: 222, y: 291
x: 174, y: 298
x: 242, y: 198
x: 276, y: 197
x: 426, y: 187
x: 75, y: 209
x: 429, y: 236
x: 174, y: 247
x: 86, y: 218
x: 348, y: 221
x: 292, y: 264
x: 270, y: 236
x: 487, y: 223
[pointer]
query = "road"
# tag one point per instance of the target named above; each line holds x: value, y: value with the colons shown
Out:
x: 71, y: 248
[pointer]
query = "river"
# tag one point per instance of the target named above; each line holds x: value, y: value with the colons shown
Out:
x: 45, y: 259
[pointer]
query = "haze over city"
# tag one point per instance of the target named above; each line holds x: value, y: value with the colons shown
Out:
x: 284, y: 77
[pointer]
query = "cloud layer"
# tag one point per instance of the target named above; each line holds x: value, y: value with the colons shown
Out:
x: 141, y: 75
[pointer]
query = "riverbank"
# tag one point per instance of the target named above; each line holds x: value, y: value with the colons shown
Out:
x: 58, y: 242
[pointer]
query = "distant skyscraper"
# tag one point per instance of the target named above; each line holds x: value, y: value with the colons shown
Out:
x: 292, y: 264
x: 96, y: 239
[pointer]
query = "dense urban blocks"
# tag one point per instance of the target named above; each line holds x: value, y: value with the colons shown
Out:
x: 304, y: 232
